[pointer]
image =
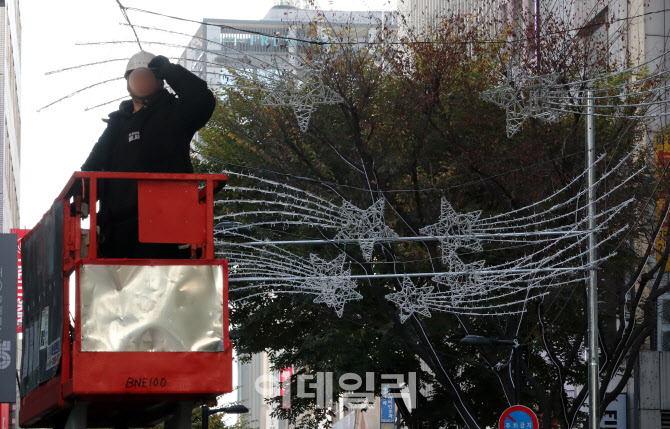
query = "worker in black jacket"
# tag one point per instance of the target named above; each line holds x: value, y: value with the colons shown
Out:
x: 152, y: 132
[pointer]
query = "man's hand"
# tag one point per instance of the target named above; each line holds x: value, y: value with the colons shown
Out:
x: 158, y: 65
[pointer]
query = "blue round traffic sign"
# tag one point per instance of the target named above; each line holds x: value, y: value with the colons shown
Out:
x: 518, y: 417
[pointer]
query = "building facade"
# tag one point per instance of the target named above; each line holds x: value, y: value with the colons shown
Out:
x: 10, y: 140
x: 10, y: 112
x: 274, y: 42
x: 257, y: 383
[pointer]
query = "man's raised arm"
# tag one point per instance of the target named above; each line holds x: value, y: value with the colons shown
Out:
x: 195, y: 99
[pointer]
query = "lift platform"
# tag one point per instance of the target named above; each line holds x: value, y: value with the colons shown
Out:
x: 124, y: 342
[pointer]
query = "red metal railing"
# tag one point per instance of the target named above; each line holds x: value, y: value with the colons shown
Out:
x: 172, y: 208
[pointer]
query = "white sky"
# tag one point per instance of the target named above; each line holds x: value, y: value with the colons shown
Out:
x: 57, y: 140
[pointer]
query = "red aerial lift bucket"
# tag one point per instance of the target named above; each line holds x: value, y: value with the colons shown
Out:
x: 144, y: 334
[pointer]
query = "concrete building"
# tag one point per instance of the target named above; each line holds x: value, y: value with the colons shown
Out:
x: 634, y: 30
x: 10, y: 132
x: 258, y: 382
x: 257, y: 45
x: 421, y: 17
x: 10, y: 112
x: 649, y: 403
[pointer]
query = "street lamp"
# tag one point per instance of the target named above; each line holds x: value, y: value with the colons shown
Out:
x: 478, y: 340
x: 233, y: 409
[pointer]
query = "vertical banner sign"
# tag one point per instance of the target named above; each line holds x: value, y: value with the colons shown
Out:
x: 387, y: 413
x: 662, y: 157
x: 387, y: 406
x: 8, y: 317
x: 19, y: 280
x: 614, y: 416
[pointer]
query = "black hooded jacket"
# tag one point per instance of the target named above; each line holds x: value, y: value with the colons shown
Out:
x: 156, y: 138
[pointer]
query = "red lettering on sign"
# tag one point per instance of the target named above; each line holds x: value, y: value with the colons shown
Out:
x: 19, y: 280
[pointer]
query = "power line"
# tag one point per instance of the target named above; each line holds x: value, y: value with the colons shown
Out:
x: 418, y: 42
x: 436, y: 189
x: 80, y: 90
x: 649, y: 199
x: 125, y: 15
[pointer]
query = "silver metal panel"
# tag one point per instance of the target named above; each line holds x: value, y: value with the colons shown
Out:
x: 128, y: 308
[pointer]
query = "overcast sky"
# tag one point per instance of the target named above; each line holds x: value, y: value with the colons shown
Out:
x: 57, y: 140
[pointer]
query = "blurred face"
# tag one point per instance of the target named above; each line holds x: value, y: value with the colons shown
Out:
x: 142, y: 83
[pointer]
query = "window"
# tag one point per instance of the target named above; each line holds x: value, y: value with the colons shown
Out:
x: 665, y: 419
x: 595, y: 38
x: 664, y: 326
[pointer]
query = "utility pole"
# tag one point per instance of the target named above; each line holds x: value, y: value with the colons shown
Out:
x: 592, y: 290
x: 516, y: 359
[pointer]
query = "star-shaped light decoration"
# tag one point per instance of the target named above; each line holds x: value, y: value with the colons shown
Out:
x: 364, y: 225
x: 462, y: 280
x: 410, y: 299
x: 524, y: 97
x: 333, y: 283
x: 455, y: 231
x: 302, y: 95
